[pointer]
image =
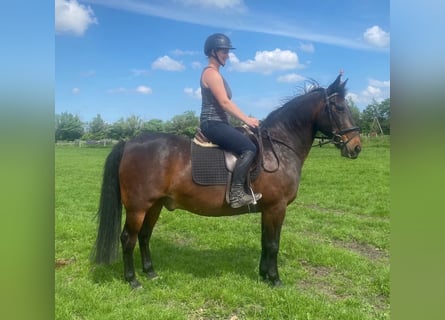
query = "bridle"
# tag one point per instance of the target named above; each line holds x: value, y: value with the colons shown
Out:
x: 336, y: 138
x: 337, y: 135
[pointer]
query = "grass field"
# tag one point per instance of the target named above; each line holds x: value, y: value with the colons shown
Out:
x: 333, y: 259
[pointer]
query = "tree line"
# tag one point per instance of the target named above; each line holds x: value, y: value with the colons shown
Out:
x: 375, y: 118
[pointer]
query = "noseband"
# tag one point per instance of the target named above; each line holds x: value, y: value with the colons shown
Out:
x: 337, y: 135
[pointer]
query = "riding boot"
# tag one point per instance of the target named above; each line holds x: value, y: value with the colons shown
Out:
x: 238, y: 196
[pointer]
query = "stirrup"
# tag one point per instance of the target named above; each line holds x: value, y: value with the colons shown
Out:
x: 240, y: 198
x: 255, y: 196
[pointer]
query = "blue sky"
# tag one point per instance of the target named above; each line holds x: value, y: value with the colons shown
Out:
x: 120, y: 58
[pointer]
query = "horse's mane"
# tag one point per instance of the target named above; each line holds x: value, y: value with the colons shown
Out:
x: 289, y: 111
x: 291, y: 104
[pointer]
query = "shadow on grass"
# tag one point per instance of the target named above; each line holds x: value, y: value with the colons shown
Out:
x: 107, y: 273
x: 172, y: 258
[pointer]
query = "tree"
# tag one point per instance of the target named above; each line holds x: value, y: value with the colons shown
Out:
x: 355, y: 111
x: 134, y: 125
x: 68, y: 127
x: 117, y: 130
x: 97, y: 129
x: 384, y: 111
x: 126, y: 129
x: 184, y: 124
x: 154, y: 125
x: 376, y: 112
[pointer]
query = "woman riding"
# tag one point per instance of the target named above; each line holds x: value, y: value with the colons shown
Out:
x: 217, y: 107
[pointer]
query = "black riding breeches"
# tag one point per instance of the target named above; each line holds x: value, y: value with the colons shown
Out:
x: 227, y: 137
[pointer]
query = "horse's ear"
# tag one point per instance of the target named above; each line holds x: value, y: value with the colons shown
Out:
x: 335, y: 85
x: 344, y: 83
x: 337, y: 81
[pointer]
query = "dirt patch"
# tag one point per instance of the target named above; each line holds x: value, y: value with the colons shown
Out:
x: 64, y: 262
x: 318, y: 280
x: 366, y: 250
x: 323, y: 209
x: 322, y: 280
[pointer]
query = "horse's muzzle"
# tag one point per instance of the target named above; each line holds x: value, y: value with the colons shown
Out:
x: 351, y: 152
x: 352, y: 147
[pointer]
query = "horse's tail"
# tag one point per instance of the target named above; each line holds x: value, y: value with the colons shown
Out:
x: 109, y: 215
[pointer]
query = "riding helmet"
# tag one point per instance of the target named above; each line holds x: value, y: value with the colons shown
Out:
x: 217, y: 41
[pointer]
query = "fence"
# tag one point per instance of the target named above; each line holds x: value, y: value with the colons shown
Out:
x: 88, y: 143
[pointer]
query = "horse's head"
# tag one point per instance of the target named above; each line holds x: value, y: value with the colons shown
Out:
x: 337, y: 123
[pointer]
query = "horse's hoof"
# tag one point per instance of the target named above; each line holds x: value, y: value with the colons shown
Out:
x: 277, y: 283
x: 135, y: 284
x: 152, y: 275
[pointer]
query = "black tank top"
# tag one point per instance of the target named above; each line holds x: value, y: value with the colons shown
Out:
x: 210, y: 108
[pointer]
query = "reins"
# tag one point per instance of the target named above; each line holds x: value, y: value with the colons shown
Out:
x: 271, y: 141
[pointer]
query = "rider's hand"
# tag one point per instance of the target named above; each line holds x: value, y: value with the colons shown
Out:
x: 252, y: 122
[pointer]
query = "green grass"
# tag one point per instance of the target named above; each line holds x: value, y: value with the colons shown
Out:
x: 333, y: 260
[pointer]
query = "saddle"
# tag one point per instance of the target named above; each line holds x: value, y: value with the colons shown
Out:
x: 212, y: 165
x: 229, y: 157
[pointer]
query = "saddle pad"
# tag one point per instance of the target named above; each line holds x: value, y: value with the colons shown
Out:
x: 208, y: 166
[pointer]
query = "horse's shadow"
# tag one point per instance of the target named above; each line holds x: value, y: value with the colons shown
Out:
x: 169, y: 257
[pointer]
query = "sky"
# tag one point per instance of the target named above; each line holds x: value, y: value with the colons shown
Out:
x: 122, y: 58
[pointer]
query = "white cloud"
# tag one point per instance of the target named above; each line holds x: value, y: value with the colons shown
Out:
x: 118, y: 90
x: 290, y: 78
x: 375, y: 91
x: 231, y: 14
x: 372, y: 91
x: 140, y: 89
x: 168, y: 64
x: 377, y: 37
x: 216, y: 4
x: 196, y: 65
x: 88, y: 73
x: 139, y: 72
x: 75, y: 90
x: 266, y: 62
x: 307, y: 47
x: 72, y: 17
x: 353, y: 96
x: 378, y: 83
x: 179, y: 52
x: 378, y: 90
x: 195, y: 94
x: 144, y: 90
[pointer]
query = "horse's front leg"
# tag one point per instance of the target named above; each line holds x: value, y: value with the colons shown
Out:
x: 271, y: 222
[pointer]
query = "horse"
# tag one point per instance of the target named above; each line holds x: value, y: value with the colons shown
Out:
x: 153, y: 171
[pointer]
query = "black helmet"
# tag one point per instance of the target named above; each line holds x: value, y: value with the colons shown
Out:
x: 217, y: 41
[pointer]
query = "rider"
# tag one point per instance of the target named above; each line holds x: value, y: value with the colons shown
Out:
x: 217, y: 106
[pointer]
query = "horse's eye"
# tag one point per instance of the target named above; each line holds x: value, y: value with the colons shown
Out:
x: 340, y: 107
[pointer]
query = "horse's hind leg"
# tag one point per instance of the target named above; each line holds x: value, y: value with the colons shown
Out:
x: 144, y: 239
x: 133, y: 224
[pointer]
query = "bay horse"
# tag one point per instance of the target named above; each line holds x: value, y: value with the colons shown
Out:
x: 153, y: 170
